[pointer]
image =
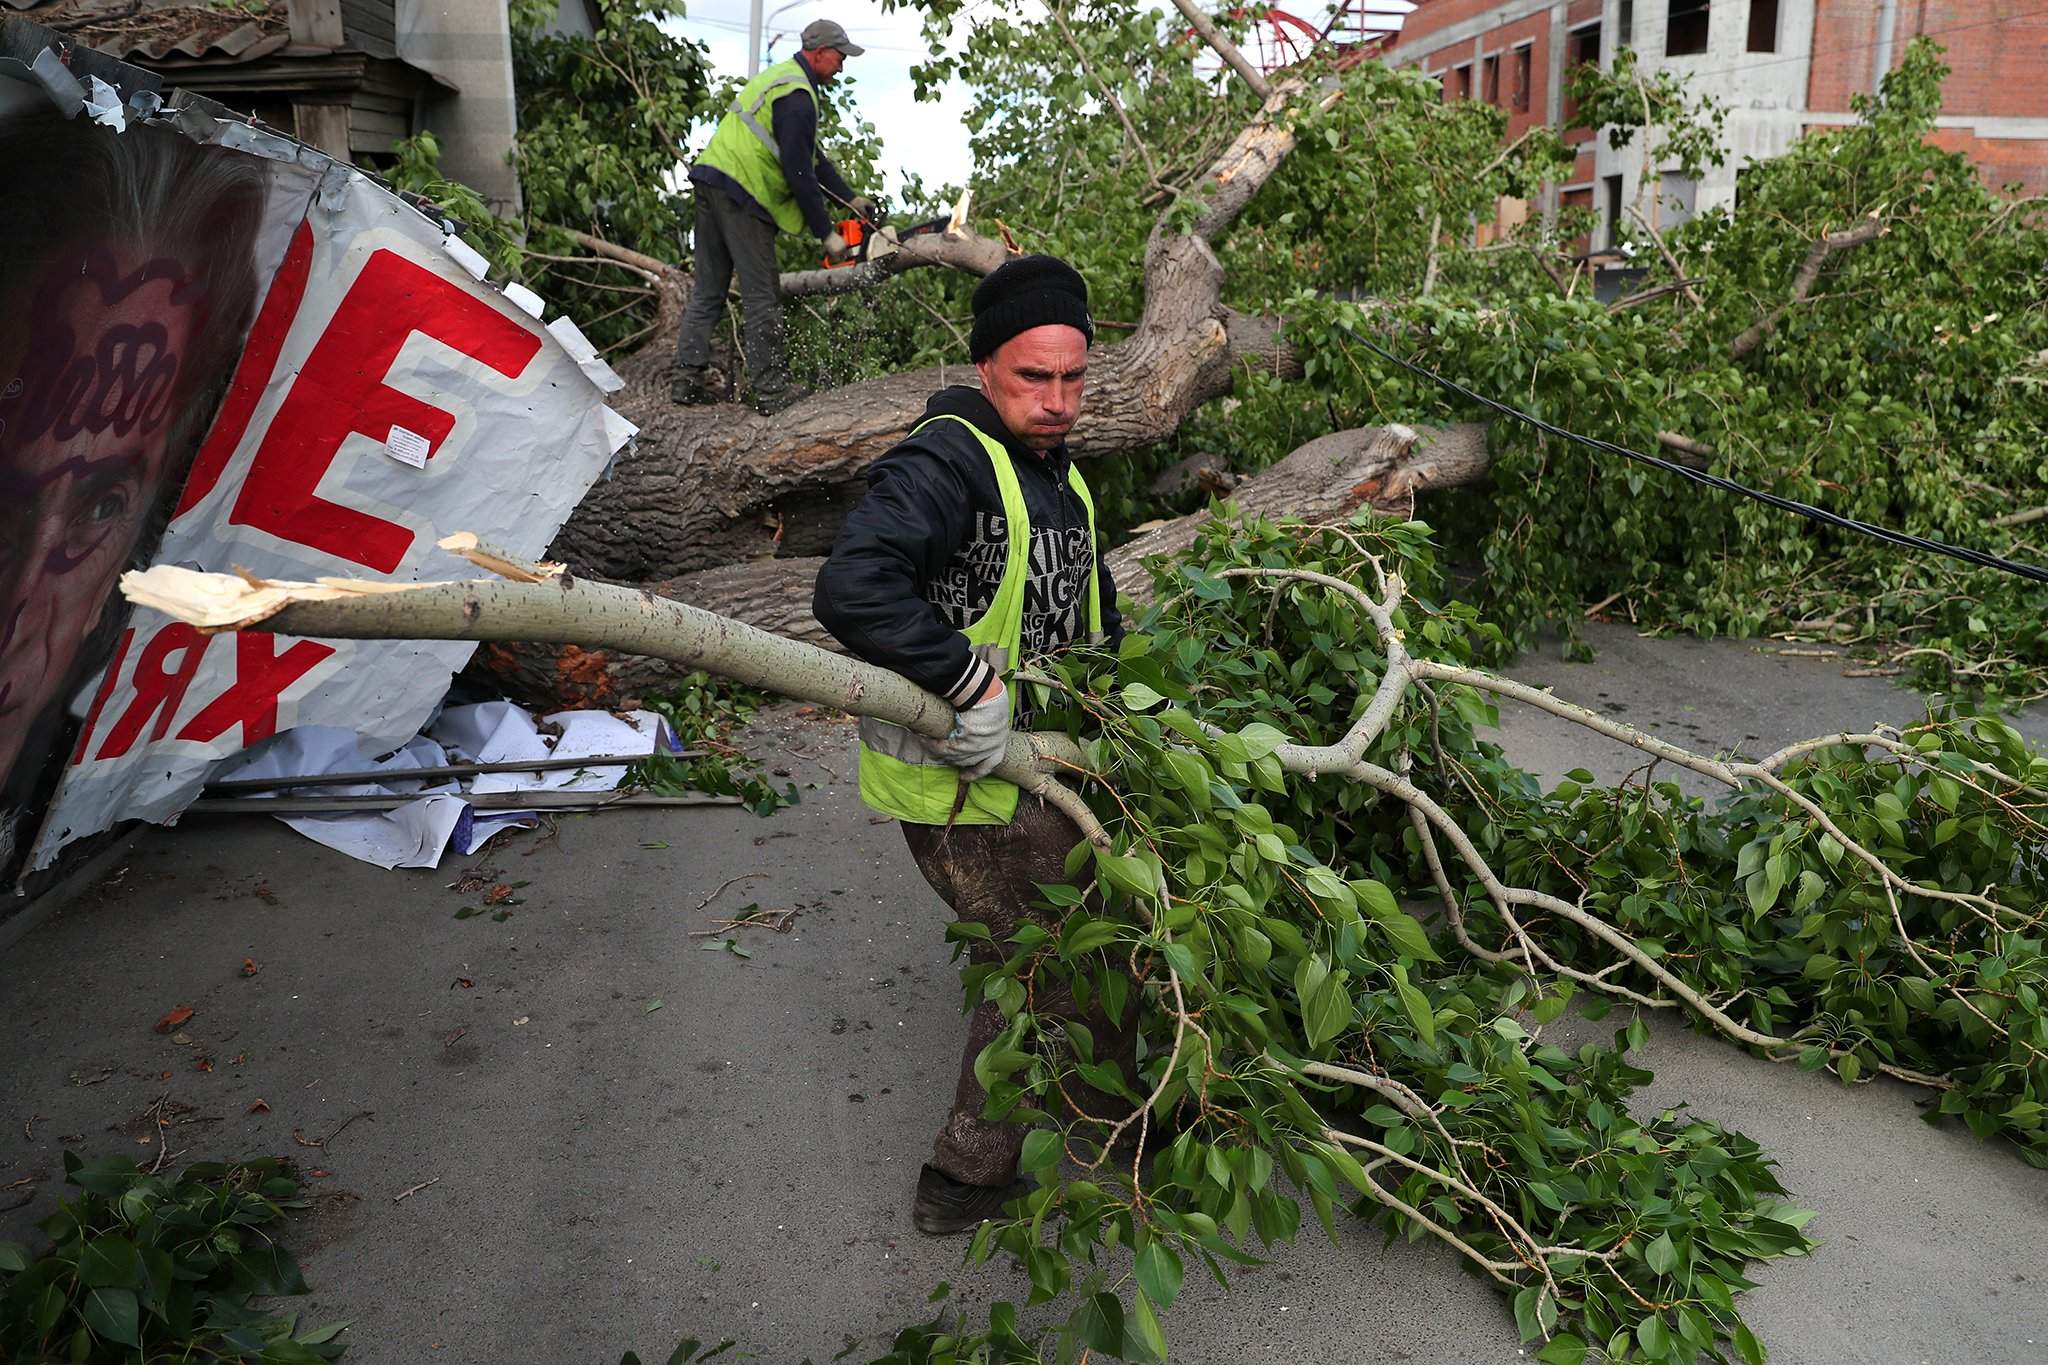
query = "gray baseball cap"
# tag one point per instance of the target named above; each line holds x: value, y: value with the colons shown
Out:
x: 825, y: 33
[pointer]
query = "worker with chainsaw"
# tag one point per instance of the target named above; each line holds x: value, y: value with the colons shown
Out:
x: 975, y: 548
x: 762, y: 173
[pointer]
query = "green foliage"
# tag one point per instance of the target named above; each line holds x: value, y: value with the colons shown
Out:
x: 1626, y: 101
x: 1760, y: 903
x: 416, y: 169
x: 1904, y: 391
x: 1274, y: 901
x: 1313, y: 1039
x: 602, y: 126
x: 146, y: 1268
x: 705, y: 713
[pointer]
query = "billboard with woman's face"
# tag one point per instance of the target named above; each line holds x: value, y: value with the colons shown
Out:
x: 128, y: 274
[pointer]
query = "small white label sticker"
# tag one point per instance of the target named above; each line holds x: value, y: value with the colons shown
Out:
x: 407, y: 447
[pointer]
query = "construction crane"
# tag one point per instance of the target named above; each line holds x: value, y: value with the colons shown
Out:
x: 1275, y: 39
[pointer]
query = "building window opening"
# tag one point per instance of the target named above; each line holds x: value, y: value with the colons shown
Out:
x: 1461, y: 82
x: 1763, y: 25
x: 1612, y: 210
x: 1522, y: 71
x: 1625, y: 24
x: 1582, y: 48
x: 1685, y: 33
x: 1489, y: 80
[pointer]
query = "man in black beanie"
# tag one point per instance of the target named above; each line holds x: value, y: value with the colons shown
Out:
x: 974, y: 548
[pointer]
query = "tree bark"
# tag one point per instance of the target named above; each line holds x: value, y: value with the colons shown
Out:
x: 705, y: 487
x: 1325, y: 480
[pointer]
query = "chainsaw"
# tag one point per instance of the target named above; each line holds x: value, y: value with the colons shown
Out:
x: 868, y: 239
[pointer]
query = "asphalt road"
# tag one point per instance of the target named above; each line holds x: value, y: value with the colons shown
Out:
x: 738, y: 1162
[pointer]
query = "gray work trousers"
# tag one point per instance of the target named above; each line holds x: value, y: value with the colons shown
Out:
x: 989, y: 874
x: 729, y: 238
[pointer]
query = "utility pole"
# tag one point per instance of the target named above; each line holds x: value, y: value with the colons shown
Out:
x: 753, y: 39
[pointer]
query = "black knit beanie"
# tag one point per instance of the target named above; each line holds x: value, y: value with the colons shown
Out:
x: 1031, y: 291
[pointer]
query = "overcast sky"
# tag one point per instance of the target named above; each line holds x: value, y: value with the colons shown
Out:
x: 926, y: 138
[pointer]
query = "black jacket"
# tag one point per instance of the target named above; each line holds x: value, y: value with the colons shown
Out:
x: 921, y: 557
x: 795, y: 125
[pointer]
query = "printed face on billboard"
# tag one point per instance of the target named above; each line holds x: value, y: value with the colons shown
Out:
x: 126, y: 283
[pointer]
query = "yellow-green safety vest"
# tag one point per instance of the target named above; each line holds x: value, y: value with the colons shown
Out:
x: 899, y: 775
x: 744, y: 147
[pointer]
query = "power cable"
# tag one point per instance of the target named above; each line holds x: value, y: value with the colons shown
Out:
x: 1982, y: 559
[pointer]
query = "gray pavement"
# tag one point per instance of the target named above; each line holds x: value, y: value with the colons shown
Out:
x: 738, y: 1162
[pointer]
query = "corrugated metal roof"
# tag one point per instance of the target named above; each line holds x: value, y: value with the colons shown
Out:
x: 154, y: 29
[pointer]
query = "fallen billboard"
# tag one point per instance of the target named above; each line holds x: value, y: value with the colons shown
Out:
x: 222, y: 349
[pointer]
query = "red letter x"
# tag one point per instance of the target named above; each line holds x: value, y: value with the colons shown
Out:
x: 259, y: 677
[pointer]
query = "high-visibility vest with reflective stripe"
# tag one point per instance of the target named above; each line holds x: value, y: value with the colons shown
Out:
x: 744, y: 147
x: 899, y: 775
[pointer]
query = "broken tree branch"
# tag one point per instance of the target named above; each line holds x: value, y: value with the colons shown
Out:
x: 1223, y: 47
x: 1691, y: 295
x: 564, y: 611
x: 1802, y: 283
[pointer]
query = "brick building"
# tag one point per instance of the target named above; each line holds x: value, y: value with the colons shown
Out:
x: 1781, y: 67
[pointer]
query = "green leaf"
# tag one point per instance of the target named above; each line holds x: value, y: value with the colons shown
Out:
x: 1139, y: 697
x: 1745, y: 1342
x: 1417, y: 1007
x: 13, y: 1257
x: 1327, y: 1011
x: 1525, y: 1313
x: 1654, y: 1337
x: 1563, y: 1350
x: 113, y: 1315
x: 1149, y: 1334
x: 1099, y: 1323
x: 1136, y: 875
x: 1041, y: 1150
x: 111, y: 1262
x: 1661, y: 1254
x: 1159, y: 1273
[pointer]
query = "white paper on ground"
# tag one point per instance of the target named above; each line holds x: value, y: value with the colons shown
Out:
x: 584, y: 734
x: 416, y: 834
x: 413, y: 835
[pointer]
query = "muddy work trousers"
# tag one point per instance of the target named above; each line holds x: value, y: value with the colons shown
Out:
x: 989, y: 875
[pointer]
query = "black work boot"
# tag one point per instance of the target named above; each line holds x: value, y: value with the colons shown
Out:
x: 768, y: 402
x: 689, y: 387
x: 945, y: 1206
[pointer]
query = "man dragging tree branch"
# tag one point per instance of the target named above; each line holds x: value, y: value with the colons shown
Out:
x: 975, y: 547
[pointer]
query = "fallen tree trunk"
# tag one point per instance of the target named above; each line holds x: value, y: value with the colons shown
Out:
x: 1325, y: 480
x: 706, y: 487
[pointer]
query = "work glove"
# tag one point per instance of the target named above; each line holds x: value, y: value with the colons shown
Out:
x: 980, y: 737
x: 836, y: 248
x: 864, y: 208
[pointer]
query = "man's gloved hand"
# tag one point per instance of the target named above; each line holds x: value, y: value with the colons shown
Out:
x: 864, y: 208
x: 981, y: 736
x: 836, y: 248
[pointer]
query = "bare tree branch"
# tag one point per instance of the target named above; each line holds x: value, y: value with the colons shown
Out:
x: 1224, y: 48
x: 1692, y: 295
